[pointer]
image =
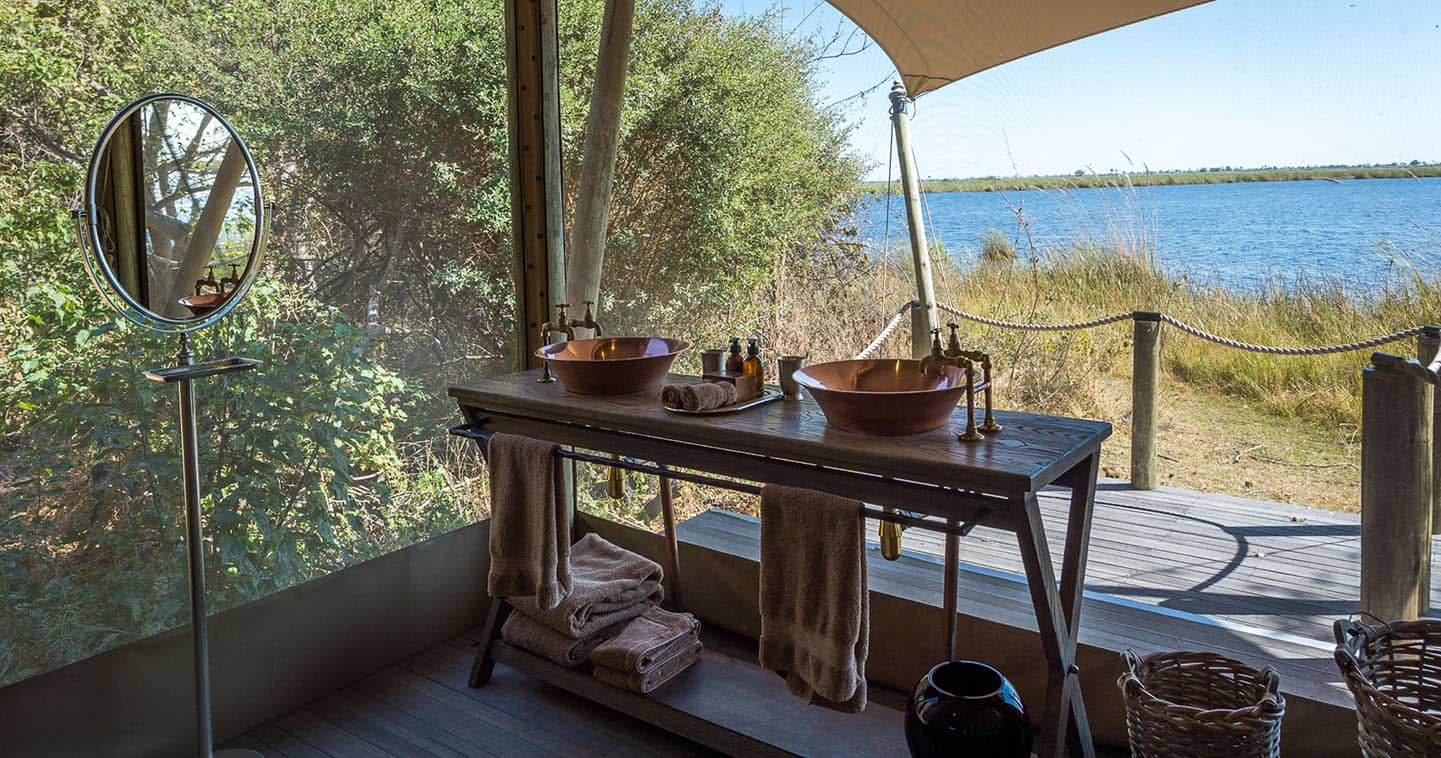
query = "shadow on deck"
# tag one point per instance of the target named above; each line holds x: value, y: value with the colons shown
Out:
x: 1271, y: 566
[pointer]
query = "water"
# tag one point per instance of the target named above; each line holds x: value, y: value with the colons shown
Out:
x: 1360, y: 233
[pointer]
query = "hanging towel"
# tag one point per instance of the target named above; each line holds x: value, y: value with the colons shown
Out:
x: 662, y: 672
x: 815, y: 610
x: 529, y: 522
x: 643, y: 642
x: 520, y: 629
x: 608, y: 585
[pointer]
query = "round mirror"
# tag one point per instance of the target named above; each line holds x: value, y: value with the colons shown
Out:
x: 173, y: 216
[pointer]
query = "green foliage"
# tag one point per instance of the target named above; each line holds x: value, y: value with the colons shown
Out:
x: 380, y: 129
x: 995, y: 248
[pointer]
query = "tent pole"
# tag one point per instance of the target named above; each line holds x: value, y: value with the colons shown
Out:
x: 535, y: 183
x: 597, y: 165
x: 926, y: 317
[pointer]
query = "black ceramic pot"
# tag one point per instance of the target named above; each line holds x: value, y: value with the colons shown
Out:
x: 965, y: 708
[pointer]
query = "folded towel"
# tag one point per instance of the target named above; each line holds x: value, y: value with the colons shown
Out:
x: 529, y: 522
x: 608, y: 585
x: 815, y: 610
x: 520, y: 629
x: 654, y: 636
x: 698, y: 396
x: 662, y: 672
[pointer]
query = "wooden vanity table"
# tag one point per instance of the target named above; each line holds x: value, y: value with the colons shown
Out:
x: 954, y: 484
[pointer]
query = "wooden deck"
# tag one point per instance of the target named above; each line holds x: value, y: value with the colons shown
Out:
x: 1271, y: 566
x: 423, y: 707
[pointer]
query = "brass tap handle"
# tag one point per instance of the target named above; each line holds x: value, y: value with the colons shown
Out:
x: 953, y: 346
x: 560, y: 311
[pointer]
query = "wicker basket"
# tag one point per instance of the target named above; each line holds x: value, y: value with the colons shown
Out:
x: 1200, y: 705
x: 1394, y: 672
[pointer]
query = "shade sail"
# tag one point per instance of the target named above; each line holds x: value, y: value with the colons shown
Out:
x: 936, y: 42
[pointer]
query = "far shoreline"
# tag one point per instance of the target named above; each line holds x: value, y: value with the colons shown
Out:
x: 1164, y: 178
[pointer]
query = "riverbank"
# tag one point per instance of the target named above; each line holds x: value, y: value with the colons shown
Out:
x: 1162, y: 178
x: 1279, y: 428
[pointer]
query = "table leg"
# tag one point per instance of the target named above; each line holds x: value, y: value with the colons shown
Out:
x: 490, y: 632
x: 949, y: 585
x: 1082, y: 480
x: 672, y: 543
x: 1064, y: 708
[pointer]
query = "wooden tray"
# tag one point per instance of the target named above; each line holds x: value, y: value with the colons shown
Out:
x: 766, y: 396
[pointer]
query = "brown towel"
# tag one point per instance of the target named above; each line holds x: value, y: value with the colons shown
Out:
x: 815, y: 610
x: 670, y: 395
x: 646, y: 640
x: 663, y: 672
x: 520, y: 629
x: 608, y: 585
x: 529, y: 522
x: 701, y: 396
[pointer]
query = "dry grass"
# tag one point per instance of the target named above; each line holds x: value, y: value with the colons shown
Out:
x: 1269, y: 427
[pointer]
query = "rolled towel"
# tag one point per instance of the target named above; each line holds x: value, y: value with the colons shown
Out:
x: 662, y: 672
x: 520, y: 629
x: 815, y: 608
x: 608, y: 585
x: 670, y: 395
x: 703, y: 396
x: 644, y: 641
x: 530, y: 522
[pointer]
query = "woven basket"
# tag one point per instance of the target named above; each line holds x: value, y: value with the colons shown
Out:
x: 1394, y: 672
x: 1200, y: 705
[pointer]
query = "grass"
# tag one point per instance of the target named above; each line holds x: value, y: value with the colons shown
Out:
x: 1165, y: 178
x: 1274, y: 428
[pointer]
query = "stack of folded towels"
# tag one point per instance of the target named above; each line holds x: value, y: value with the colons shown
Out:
x: 611, y: 617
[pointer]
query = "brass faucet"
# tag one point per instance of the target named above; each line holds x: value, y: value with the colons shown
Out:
x: 559, y: 325
x: 232, y: 281
x: 965, y: 360
x: 589, y: 321
x: 208, y: 281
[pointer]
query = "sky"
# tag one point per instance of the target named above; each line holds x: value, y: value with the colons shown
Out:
x: 1242, y: 83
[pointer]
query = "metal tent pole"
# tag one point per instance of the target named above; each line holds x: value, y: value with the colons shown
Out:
x: 926, y: 317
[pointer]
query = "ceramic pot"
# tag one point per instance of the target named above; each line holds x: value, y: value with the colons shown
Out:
x: 965, y: 708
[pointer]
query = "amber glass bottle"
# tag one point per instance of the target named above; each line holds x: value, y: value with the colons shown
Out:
x: 734, y: 362
x: 753, y: 365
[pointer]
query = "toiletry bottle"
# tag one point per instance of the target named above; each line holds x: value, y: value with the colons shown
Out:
x: 753, y: 364
x: 734, y: 362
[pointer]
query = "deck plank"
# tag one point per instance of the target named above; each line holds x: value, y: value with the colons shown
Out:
x: 1272, y: 566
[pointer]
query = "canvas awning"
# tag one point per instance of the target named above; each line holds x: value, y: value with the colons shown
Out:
x: 936, y: 42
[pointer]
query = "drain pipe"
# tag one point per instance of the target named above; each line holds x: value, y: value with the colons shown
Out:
x: 926, y: 317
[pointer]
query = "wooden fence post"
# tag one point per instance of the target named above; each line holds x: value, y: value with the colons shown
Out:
x: 1396, y: 433
x: 1145, y: 381
x: 1428, y: 343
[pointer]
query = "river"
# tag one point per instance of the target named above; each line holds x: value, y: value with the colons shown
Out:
x: 1361, y: 233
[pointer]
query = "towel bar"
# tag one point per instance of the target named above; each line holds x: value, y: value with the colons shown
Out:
x: 959, y: 530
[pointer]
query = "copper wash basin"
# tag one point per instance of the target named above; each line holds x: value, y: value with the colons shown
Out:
x: 201, y: 305
x: 612, y: 365
x: 884, y: 396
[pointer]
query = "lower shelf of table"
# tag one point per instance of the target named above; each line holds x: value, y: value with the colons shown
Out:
x: 732, y: 706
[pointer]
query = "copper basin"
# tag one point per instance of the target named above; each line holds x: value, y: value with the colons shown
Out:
x: 884, y: 396
x: 202, y: 305
x: 612, y: 365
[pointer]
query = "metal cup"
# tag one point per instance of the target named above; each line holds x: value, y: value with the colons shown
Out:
x: 789, y: 364
x: 711, y: 360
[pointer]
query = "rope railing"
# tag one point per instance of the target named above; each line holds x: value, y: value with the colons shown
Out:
x: 890, y: 329
x: 1194, y: 331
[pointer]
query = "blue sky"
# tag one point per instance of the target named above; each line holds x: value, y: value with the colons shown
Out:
x: 1233, y: 82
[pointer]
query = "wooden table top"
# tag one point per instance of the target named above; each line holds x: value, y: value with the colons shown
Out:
x: 1030, y: 452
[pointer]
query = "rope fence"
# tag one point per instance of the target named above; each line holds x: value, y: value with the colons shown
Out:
x: 1197, y: 332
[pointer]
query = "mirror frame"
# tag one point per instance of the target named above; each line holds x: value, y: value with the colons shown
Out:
x: 99, y: 269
